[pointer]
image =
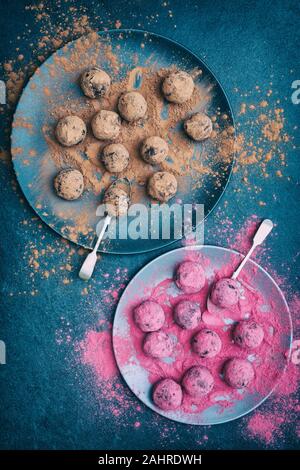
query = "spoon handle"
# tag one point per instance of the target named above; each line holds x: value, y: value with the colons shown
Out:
x: 101, y: 234
x: 88, y: 266
x: 261, y: 234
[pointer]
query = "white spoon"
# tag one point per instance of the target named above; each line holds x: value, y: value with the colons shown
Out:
x: 261, y: 234
x: 263, y: 231
x: 88, y: 266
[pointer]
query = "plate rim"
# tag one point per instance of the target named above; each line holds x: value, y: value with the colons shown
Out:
x: 184, y: 48
x: 254, y: 263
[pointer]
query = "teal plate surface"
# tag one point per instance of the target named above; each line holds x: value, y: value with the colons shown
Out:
x: 51, y: 86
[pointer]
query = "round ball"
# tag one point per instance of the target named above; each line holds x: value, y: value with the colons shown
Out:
x: 69, y: 184
x: 132, y: 106
x: 158, y: 344
x: 95, y: 82
x: 106, y: 125
x: 238, y: 373
x: 154, y: 150
x: 198, y: 127
x: 248, y: 334
x: 162, y: 186
x: 178, y: 87
x: 70, y: 130
x: 149, y: 316
x: 190, y: 277
x: 167, y: 395
x: 187, y: 314
x: 197, y: 381
x: 115, y: 158
x: 206, y: 343
x: 225, y: 293
x: 116, y: 201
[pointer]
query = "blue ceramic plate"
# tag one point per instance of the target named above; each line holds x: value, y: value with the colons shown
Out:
x: 137, y: 376
x: 53, y: 85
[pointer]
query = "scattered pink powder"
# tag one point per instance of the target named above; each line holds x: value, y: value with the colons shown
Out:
x: 97, y: 352
x: 264, y: 426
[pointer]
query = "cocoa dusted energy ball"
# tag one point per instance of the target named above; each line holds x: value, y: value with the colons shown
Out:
x: 70, y: 130
x: 115, y: 158
x: 95, y: 82
x: 132, y: 106
x: 154, y: 150
x: 69, y: 184
x: 162, y: 186
x: 198, y: 127
x: 178, y: 87
x: 106, y: 125
x: 116, y: 201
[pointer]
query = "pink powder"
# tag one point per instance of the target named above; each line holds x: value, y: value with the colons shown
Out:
x: 97, y: 352
x: 263, y: 426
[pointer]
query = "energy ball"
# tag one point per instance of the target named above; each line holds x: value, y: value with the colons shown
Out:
x: 132, y: 106
x: 225, y: 293
x: 206, y: 343
x: 117, y: 201
x: 106, y: 125
x: 187, y: 314
x: 70, y: 130
x: 95, y: 82
x: 115, y: 158
x: 238, y: 373
x: 197, y: 381
x: 158, y: 344
x: 198, y: 127
x: 69, y: 184
x: 149, y: 316
x: 167, y: 395
x: 248, y: 334
x: 162, y: 186
x: 190, y: 277
x: 154, y: 150
x: 178, y: 87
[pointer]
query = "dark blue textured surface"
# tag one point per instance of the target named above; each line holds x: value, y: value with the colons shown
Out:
x: 45, y: 400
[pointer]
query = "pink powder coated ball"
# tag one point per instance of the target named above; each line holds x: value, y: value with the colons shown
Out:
x: 248, y: 334
x: 206, y: 343
x: 187, y: 314
x: 238, y: 373
x: 197, y: 381
x: 225, y: 293
x: 190, y: 277
x: 167, y: 395
x: 158, y: 344
x: 149, y: 316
